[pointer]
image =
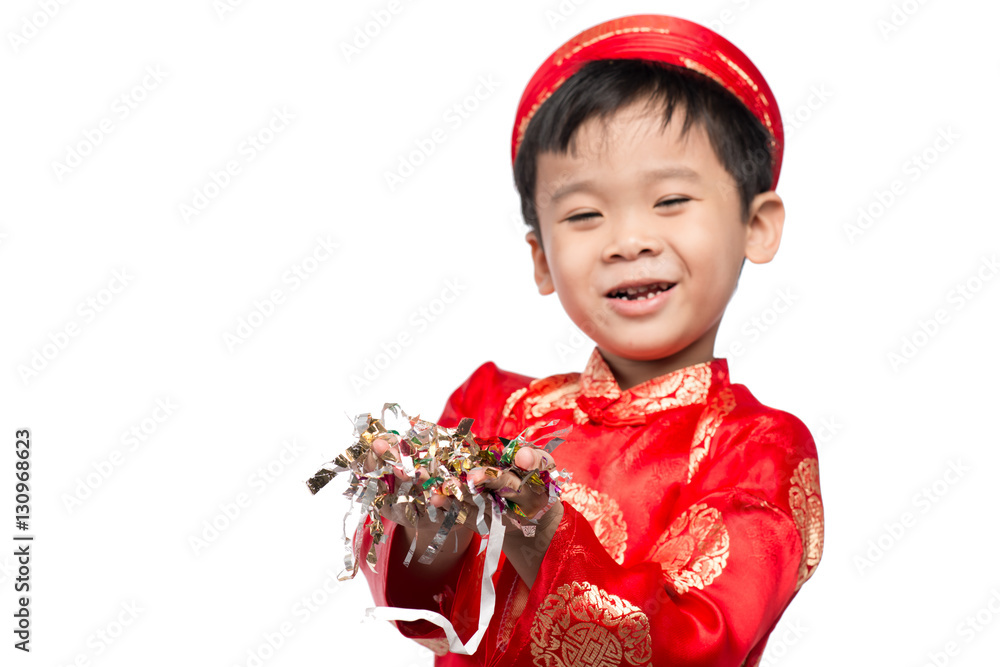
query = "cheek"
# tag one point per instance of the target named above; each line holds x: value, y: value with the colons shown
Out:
x: 568, y: 288
x: 713, y: 267
x: 571, y: 280
x: 568, y: 270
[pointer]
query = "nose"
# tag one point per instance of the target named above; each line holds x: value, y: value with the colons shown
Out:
x: 631, y: 239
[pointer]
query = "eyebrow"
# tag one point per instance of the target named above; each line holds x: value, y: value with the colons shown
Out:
x: 663, y: 173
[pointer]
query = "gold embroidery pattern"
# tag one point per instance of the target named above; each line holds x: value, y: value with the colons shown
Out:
x: 582, y: 625
x: 604, y: 515
x: 557, y: 392
x: 602, y: 32
x: 694, y: 550
x: 517, y: 600
x: 523, y: 127
x: 439, y: 646
x: 511, y: 402
x: 682, y: 387
x: 753, y: 84
x: 597, y: 378
x: 711, y: 418
x: 807, y: 511
x: 701, y: 69
x: 685, y: 386
x: 736, y: 68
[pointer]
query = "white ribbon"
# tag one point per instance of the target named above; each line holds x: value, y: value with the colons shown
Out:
x: 487, y: 603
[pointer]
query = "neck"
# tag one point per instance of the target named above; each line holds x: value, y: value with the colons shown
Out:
x: 632, y: 372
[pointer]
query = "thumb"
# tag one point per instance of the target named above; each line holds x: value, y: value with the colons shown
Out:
x: 531, y: 458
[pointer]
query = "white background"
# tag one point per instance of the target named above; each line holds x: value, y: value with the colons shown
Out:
x: 863, y: 103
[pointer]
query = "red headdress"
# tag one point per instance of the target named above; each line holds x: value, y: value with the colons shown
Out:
x: 662, y: 38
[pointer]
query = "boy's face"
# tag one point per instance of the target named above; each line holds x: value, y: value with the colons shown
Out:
x: 643, y: 237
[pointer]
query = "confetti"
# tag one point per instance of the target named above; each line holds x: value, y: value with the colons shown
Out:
x: 448, y: 455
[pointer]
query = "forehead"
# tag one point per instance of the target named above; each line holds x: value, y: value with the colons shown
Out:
x: 630, y: 146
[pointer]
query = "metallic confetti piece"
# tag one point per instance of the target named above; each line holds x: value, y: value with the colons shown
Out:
x: 480, y: 501
x: 435, y: 546
x: 409, y: 554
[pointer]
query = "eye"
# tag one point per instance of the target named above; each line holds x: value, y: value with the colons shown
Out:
x: 583, y: 216
x: 674, y: 201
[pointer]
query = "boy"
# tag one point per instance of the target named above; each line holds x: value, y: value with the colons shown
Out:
x: 646, y: 151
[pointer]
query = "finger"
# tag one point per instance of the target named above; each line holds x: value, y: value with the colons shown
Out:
x: 507, y: 484
x: 422, y: 475
x: 477, y: 476
x: 380, y: 445
x: 532, y: 458
x: 387, y: 453
x: 372, y: 462
x: 385, y: 450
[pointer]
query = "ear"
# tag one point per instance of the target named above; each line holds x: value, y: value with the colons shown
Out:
x: 767, y: 219
x: 542, y: 276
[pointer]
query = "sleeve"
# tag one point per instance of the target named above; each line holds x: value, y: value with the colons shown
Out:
x: 481, y: 397
x: 726, y: 560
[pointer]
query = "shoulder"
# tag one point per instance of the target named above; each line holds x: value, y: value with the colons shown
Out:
x: 756, y: 423
x: 489, y: 378
x: 482, y: 396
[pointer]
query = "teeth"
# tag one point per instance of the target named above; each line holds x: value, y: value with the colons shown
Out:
x: 641, y: 293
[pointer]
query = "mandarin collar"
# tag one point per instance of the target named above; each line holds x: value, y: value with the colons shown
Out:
x: 603, y: 400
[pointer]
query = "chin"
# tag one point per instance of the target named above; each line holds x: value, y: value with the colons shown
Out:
x: 641, y: 352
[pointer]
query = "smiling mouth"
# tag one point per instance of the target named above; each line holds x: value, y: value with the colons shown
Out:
x: 640, y: 293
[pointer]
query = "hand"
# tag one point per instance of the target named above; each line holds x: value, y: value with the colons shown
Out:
x: 383, y: 451
x: 424, y: 581
x: 525, y: 553
x: 528, y: 498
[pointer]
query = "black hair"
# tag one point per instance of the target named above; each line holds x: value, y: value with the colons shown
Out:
x: 601, y: 87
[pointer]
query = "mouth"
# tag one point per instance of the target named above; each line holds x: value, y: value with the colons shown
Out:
x: 639, y: 292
